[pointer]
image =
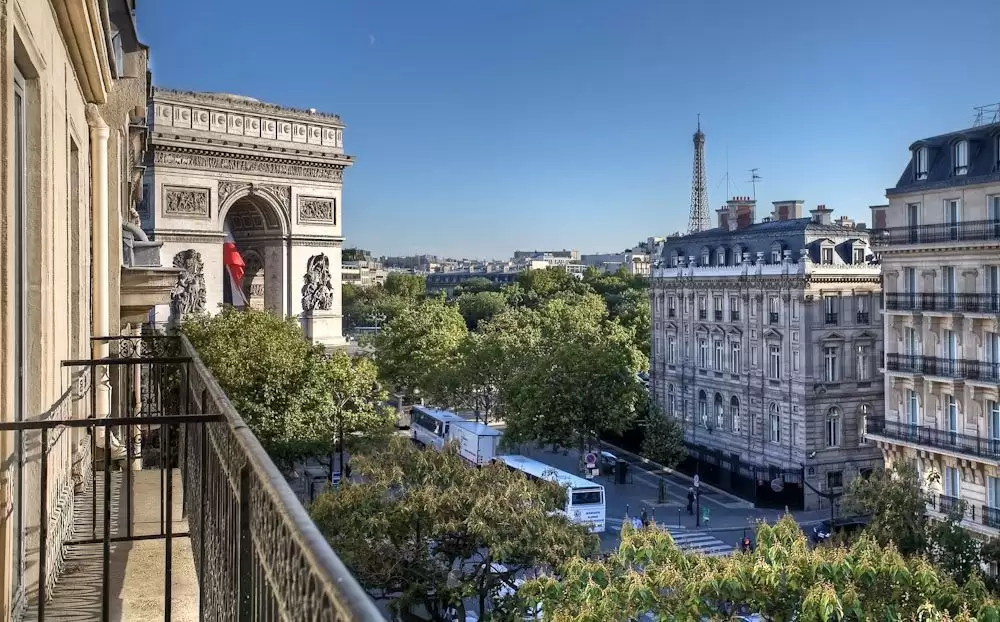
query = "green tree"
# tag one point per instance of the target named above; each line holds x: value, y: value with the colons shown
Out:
x: 951, y: 547
x: 480, y: 306
x: 540, y: 285
x: 282, y: 386
x: 358, y: 402
x: 663, y: 437
x: 419, y: 348
x: 407, y: 286
x: 896, y: 501
x: 425, y: 530
x: 475, y: 285
x: 475, y: 379
x: 783, y: 579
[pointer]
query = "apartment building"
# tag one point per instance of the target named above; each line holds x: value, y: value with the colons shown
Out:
x: 766, y: 342
x: 939, y: 239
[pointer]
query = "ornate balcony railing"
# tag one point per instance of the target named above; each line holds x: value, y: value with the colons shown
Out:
x: 832, y: 318
x: 957, y: 303
x: 962, y: 369
x: 863, y: 317
x: 257, y: 555
x: 967, y: 231
x: 946, y: 503
x: 966, y: 444
x: 990, y: 516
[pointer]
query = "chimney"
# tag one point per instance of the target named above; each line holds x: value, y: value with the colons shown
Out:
x: 878, y: 216
x: 741, y: 212
x: 821, y: 215
x: 787, y: 210
x: 723, y: 213
x: 846, y: 222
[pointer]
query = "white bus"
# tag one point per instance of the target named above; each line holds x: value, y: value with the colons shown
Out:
x: 431, y: 427
x: 584, y: 499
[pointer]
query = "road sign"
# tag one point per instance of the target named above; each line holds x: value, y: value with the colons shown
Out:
x: 697, y: 480
x: 591, y: 459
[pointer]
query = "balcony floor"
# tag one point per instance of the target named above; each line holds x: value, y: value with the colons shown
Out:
x: 137, y: 568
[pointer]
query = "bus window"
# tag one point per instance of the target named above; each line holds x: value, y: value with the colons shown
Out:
x: 587, y: 497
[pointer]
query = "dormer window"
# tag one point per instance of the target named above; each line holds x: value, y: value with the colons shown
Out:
x: 776, y: 252
x: 961, y: 157
x: 720, y: 256
x: 826, y: 255
x: 706, y: 257
x: 920, y: 163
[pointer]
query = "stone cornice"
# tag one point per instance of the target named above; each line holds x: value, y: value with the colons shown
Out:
x: 183, y: 235
x: 244, y: 104
x: 227, y: 162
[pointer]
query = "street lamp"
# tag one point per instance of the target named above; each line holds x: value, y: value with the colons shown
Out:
x: 697, y: 501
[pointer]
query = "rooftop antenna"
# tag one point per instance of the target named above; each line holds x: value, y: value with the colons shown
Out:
x: 729, y: 189
x: 754, y: 178
x: 986, y: 115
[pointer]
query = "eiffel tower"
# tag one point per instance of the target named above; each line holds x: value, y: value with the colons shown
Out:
x: 698, y: 220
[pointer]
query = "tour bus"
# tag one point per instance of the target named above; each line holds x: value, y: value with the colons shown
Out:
x: 584, y: 499
x: 430, y: 427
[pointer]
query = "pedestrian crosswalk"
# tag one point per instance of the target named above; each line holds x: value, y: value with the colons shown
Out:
x: 696, y: 541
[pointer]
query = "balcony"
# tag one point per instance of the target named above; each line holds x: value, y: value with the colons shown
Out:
x: 863, y: 317
x: 734, y: 316
x: 959, y: 369
x: 772, y: 317
x: 947, y: 503
x: 969, y: 231
x: 190, y: 520
x: 718, y: 315
x: 964, y: 444
x: 672, y: 313
x: 702, y: 314
x: 990, y: 516
x: 832, y: 318
x: 955, y: 303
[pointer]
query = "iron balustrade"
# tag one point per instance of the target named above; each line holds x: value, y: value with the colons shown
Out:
x: 863, y: 317
x: 734, y: 316
x: 718, y: 316
x: 772, y: 317
x: 990, y: 516
x: 965, y: 231
x: 258, y: 556
x: 702, y: 314
x: 966, y: 444
x: 832, y: 318
x: 671, y: 312
x: 963, y: 369
x: 958, y: 303
x: 947, y: 503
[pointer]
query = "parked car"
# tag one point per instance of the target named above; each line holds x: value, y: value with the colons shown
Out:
x: 848, y: 525
x: 608, y: 462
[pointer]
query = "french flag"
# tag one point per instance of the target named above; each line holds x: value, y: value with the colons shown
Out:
x: 235, y: 267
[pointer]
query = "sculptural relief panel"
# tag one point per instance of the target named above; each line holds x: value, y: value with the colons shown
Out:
x: 298, y: 133
x: 199, y: 120
x: 186, y: 202
x: 242, y: 165
x: 317, y: 288
x: 316, y: 210
x: 182, y: 117
x: 219, y: 122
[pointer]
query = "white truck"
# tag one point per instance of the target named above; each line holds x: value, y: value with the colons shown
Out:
x: 477, y: 442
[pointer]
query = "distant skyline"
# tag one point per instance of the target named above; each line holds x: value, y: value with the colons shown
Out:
x: 480, y: 128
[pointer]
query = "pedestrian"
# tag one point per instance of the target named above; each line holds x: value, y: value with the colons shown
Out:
x: 691, y: 500
x: 747, y: 545
x: 347, y: 470
x: 644, y: 518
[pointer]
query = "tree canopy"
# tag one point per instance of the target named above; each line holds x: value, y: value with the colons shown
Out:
x: 290, y: 393
x: 426, y: 530
x: 783, y: 578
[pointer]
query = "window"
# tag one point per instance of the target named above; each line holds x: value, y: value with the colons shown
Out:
x: 992, y: 499
x: 962, y: 157
x: 910, y: 346
x: 831, y: 364
x: 949, y: 283
x: 835, y: 479
x: 773, y: 306
x: 737, y: 255
x: 832, y: 305
x: 119, y: 56
x: 670, y: 400
x: 734, y: 308
x: 720, y: 256
x: 993, y: 289
x: 776, y: 252
x: 952, y: 418
x: 720, y: 412
x: 952, y: 482
x: 920, y: 163
x: 775, y: 424
x: 671, y: 349
x: 734, y: 415
x: 658, y: 346
x: 687, y: 349
x: 774, y: 361
x: 863, y: 412
x: 706, y: 257
x: 703, y: 353
x: 952, y: 217
x: 673, y: 260
x: 703, y: 408
x: 702, y: 308
x: 910, y: 280
x: 863, y: 316
x: 826, y: 255
x: 859, y: 255
x: 734, y: 357
x: 833, y: 427
x: 671, y: 307
x: 718, y: 308
x: 913, y: 408
x: 863, y: 362
x: 720, y: 358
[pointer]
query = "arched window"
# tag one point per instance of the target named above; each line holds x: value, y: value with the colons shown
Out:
x: 706, y: 257
x: 734, y: 414
x: 703, y: 408
x: 674, y: 257
x: 720, y: 412
x: 720, y: 256
x: 670, y: 400
x: 776, y: 252
x: 863, y: 412
x: 774, y: 432
x: 962, y: 157
x: 833, y: 427
x: 737, y: 255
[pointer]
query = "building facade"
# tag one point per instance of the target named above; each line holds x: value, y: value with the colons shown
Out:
x: 270, y: 176
x: 766, y: 342
x: 939, y: 239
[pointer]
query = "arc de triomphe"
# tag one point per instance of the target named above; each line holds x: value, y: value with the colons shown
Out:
x: 273, y: 177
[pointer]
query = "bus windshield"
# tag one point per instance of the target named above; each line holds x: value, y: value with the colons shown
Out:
x: 587, y: 497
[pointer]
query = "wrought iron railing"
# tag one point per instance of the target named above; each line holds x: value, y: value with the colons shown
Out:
x: 257, y: 554
x: 947, y: 503
x: 734, y: 316
x: 718, y: 315
x: 957, y: 303
x: 863, y: 317
x: 990, y: 516
x: 966, y: 231
x: 965, y: 369
x: 832, y: 318
x: 772, y: 317
x: 932, y: 437
x: 702, y: 314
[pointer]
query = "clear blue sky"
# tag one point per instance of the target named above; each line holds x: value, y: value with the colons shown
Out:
x: 481, y: 126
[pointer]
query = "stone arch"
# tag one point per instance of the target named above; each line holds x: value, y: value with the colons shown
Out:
x: 267, y: 201
x: 260, y: 229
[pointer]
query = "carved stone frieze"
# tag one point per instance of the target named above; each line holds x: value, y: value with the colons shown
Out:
x: 317, y: 291
x: 314, y: 209
x: 228, y: 188
x: 200, y: 161
x: 184, y: 201
x: 188, y: 295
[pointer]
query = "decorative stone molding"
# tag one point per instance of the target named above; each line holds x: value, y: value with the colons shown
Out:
x: 186, y: 202
x: 317, y: 210
x: 279, y: 194
x: 239, y: 103
x: 189, y: 295
x: 317, y: 292
x: 251, y: 165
